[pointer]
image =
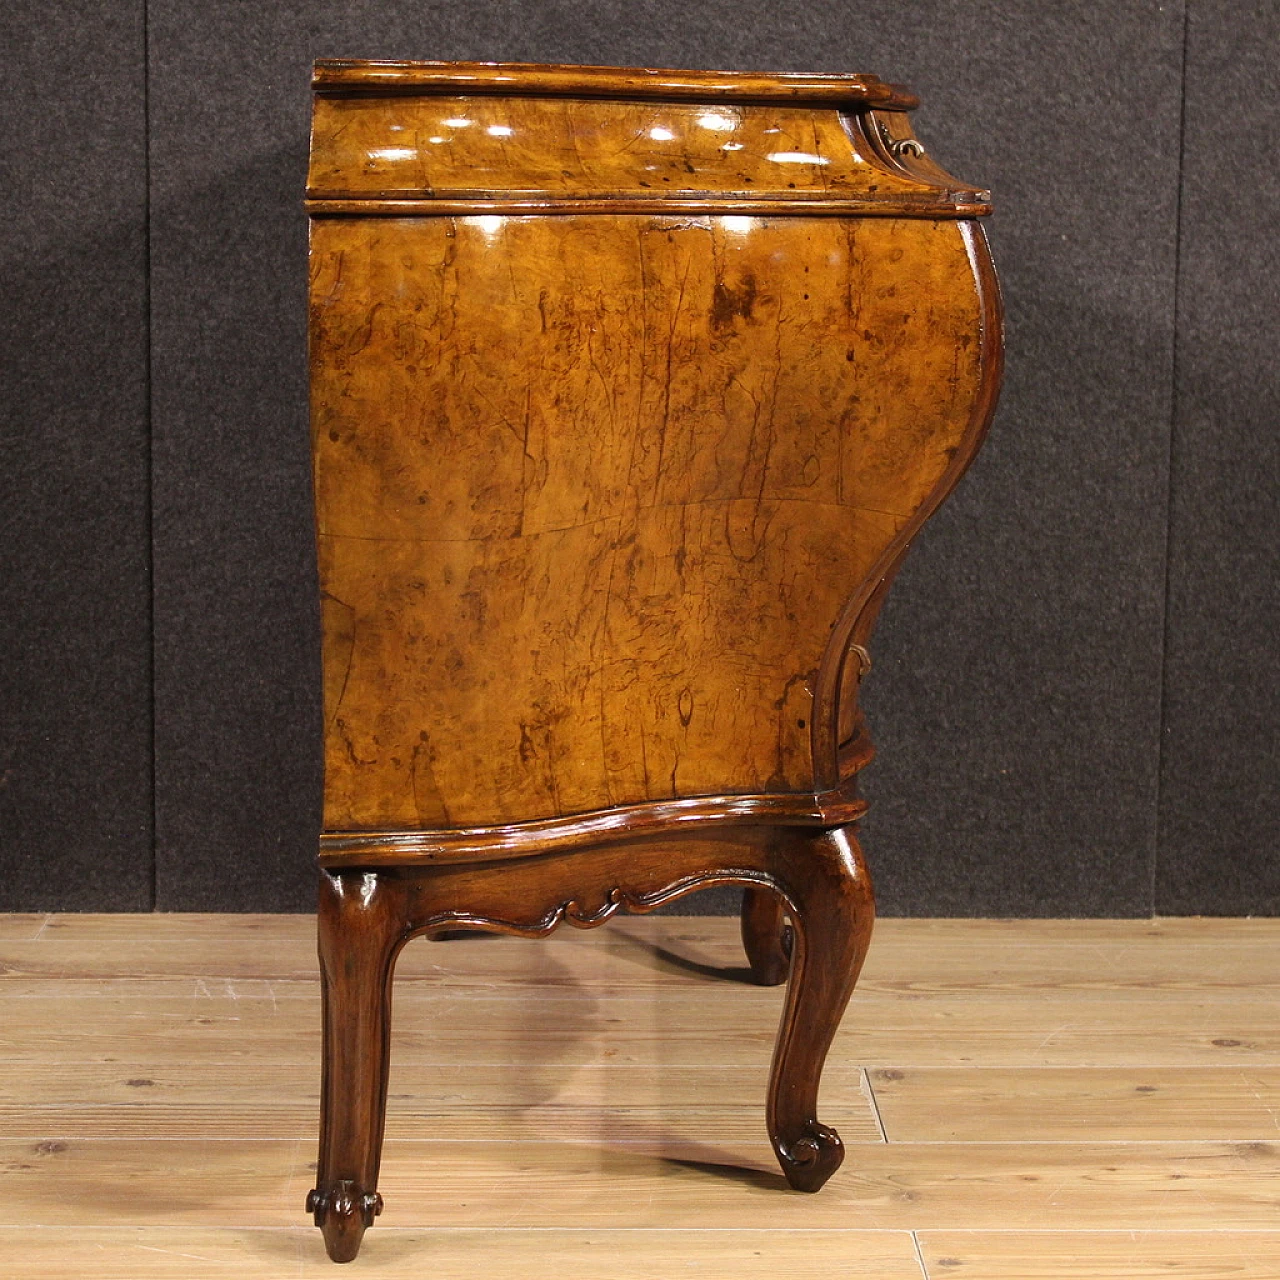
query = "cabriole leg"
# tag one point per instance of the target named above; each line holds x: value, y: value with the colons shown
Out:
x: 766, y: 936
x: 832, y: 909
x: 361, y: 926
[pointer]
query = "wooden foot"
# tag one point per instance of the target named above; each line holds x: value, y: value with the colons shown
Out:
x: 343, y: 1212
x: 361, y: 928
x: 832, y: 909
x: 766, y: 936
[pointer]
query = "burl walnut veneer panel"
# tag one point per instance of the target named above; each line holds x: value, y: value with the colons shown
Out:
x: 593, y: 491
x: 621, y: 429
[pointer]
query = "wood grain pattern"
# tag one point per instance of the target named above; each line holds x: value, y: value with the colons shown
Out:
x: 592, y: 557
x: 545, y: 1098
x: 1195, y: 971
x: 204, y: 1253
x: 567, y: 1015
x: 1156, y: 953
x: 535, y: 79
x: 1063, y: 1104
x: 22, y: 927
x: 1171, y: 1186
x: 895, y: 1186
x: 1087, y: 1255
x: 619, y: 152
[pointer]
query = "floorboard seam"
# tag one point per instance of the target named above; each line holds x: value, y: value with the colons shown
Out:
x: 915, y: 1244
x: 875, y: 1106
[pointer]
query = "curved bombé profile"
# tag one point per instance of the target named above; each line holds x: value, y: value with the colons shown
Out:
x: 630, y: 388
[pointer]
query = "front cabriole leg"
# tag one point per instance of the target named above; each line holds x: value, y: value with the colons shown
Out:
x: 361, y: 927
x: 832, y: 907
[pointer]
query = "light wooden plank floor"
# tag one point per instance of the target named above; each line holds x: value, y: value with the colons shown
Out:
x: 1028, y: 1099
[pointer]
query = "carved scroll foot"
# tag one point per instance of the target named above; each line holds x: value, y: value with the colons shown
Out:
x: 361, y: 928
x: 808, y: 1161
x: 832, y: 909
x: 343, y: 1212
x: 766, y: 937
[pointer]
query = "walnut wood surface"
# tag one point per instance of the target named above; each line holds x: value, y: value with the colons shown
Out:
x: 766, y: 936
x: 354, y: 75
x: 591, y: 493
x: 554, y: 835
x: 366, y: 917
x: 607, y: 501
x: 1060, y: 1099
x: 458, y: 148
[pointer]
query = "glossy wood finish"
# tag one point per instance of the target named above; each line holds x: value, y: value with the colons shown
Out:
x: 629, y: 392
x: 591, y: 492
x: 555, y: 835
x: 630, y: 154
x: 354, y: 76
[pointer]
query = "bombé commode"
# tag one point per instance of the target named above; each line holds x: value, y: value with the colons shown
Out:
x: 629, y: 391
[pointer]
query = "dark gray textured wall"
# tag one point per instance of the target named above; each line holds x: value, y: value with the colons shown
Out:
x: 1047, y: 622
x: 1219, y: 834
x: 1017, y: 700
x: 75, y: 683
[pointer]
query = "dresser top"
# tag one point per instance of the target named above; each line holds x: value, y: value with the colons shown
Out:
x: 348, y: 75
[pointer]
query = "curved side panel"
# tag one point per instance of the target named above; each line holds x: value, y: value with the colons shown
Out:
x: 841, y: 742
x: 591, y: 492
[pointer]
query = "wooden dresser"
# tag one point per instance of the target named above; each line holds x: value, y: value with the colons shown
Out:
x: 629, y: 391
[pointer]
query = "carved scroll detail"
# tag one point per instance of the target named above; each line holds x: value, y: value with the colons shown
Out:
x: 809, y: 1160
x: 343, y: 1200
x: 343, y: 1211
x: 617, y: 899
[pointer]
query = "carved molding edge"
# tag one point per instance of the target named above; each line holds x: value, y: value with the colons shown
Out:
x: 339, y: 849
x: 385, y: 76
x: 950, y: 204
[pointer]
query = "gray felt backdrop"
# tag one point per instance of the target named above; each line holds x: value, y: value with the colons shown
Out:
x: 1075, y: 694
